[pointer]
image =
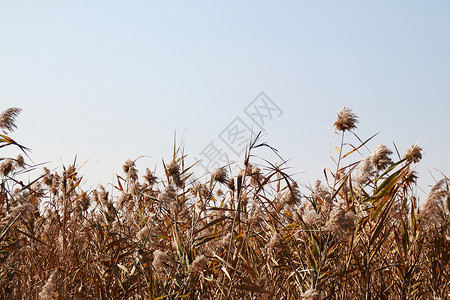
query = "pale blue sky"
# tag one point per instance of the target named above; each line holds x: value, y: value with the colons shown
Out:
x: 108, y: 80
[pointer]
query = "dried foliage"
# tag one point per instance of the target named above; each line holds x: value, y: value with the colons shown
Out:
x: 250, y: 235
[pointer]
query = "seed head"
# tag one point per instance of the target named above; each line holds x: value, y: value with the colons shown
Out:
x: 231, y: 185
x: 340, y: 221
x: 225, y: 240
x: 221, y: 175
x: 48, y: 290
x: 311, y: 294
x: 411, y: 177
x: 25, y: 208
x: 256, y: 217
x: 321, y: 192
x: 173, y: 169
x: 47, y: 178
x: 168, y: 199
x: 135, y: 188
x: 168, y: 195
x: 6, y: 167
x: 84, y: 202
x: 380, y: 157
x: 129, y: 168
x: 160, y: 260
x: 292, y: 196
x: 20, y: 162
x: 103, y: 194
x: 309, y: 215
x: 346, y: 120
x: 432, y: 212
x: 413, y: 154
x: 150, y: 177
x: 70, y: 172
x: 365, y: 170
x: 202, y: 190
x: 322, y: 195
x: 199, y: 264
x: 255, y: 175
x: 8, y: 118
x: 55, y: 183
x: 274, y: 241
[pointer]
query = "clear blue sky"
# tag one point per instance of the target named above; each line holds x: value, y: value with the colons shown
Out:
x: 109, y: 80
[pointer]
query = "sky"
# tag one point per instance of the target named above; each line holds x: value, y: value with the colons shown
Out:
x: 110, y: 80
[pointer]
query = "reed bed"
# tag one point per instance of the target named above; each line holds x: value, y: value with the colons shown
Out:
x: 250, y: 234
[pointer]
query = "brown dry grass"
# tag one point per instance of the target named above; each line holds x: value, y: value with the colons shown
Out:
x: 252, y: 235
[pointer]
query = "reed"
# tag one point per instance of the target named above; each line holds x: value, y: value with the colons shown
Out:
x: 360, y: 234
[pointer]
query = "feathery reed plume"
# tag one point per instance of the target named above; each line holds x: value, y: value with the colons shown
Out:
x: 149, y: 177
x: 321, y: 192
x: 346, y: 120
x: 135, y: 188
x: 292, y: 196
x: 173, y: 169
x: 129, y: 168
x: 366, y: 170
x: 380, y: 157
x: 433, y: 208
x: 220, y: 175
x: 19, y: 162
x: 311, y: 294
x: 312, y: 218
x: 225, y: 240
x: 6, y: 167
x: 103, y: 195
x: 21, y: 208
x: 411, y: 178
x: 275, y: 241
x: 47, y: 178
x: 56, y: 181
x: 199, y: 264
x: 341, y: 221
x: 413, y: 154
x: 70, y: 172
x: 160, y: 261
x: 83, y: 202
x: 256, y: 217
x: 48, y: 290
x: 309, y: 215
x: 322, y: 195
x: 202, y: 190
x: 168, y: 198
x: 231, y: 185
x: 255, y: 175
x: 8, y: 119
